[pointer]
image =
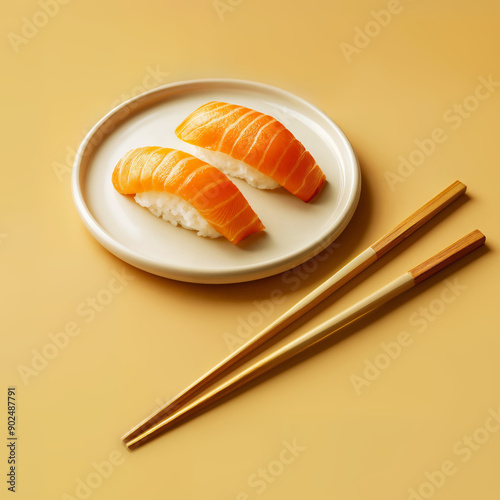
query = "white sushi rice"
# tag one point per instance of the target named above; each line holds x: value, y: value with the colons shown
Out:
x: 175, y: 210
x: 236, y: 168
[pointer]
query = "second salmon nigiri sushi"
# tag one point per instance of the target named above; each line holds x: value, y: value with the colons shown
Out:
x: 253, y: 146
x: 185, y: 190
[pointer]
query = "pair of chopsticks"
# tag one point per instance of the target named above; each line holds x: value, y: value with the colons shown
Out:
x: 184, y: 405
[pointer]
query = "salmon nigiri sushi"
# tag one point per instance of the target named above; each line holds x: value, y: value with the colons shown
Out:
x: 185, y: 190
x: 253, y: 146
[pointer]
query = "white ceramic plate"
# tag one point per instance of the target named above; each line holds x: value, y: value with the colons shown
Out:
x: 295, y: 231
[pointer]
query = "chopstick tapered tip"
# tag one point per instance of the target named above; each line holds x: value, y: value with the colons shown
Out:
x: 135, y: 443
x: 129, y: 444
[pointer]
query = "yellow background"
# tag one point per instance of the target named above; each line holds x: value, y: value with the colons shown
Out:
x: 156, y: 335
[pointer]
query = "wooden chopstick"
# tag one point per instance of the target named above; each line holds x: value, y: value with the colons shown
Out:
x: 341, y: 277
x: 349, y: 271
x: 406, y: 281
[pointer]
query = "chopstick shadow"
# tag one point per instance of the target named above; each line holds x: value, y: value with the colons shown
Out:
x: 392, y: 254
x: 376, y: 315
x: 336, y: 338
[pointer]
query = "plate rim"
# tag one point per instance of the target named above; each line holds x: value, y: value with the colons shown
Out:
x: 247, y: 273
